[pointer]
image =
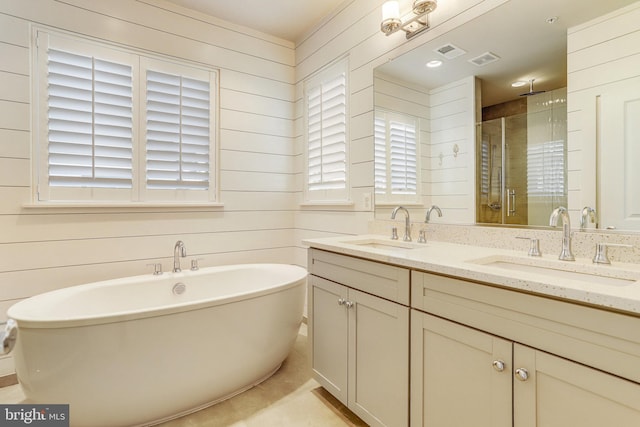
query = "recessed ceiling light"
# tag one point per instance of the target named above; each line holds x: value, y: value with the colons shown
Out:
x: 552, y: 20
x: 519, y: 83
x: 433, y: 64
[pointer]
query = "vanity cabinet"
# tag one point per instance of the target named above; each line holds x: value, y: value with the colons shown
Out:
x: 359, y: 334
x: 486, y: 356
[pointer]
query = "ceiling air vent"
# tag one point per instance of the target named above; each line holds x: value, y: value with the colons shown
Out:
x: 450, y: 51
x: 484, y: 59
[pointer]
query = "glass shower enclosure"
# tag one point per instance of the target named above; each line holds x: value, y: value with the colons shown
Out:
x: 521, y: 163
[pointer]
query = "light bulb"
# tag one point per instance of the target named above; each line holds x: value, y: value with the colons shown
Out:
x: 390, y: 10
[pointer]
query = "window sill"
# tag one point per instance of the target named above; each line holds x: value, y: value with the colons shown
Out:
x: 337, y: 203
x: 122, y: 205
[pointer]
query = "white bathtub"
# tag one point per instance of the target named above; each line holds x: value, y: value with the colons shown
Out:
x: 134, y: 352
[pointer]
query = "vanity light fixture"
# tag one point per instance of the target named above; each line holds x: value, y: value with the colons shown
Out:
x: 413, y: 24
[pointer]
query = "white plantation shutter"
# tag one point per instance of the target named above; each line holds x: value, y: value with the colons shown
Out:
x: 326, y: 98
x: 380, y: 154
x: 396, y: 157
x: 545, y: 168
x: 118, y: 126
x: 178, y: 132
x: 90, y: 126
x: 403, y: 157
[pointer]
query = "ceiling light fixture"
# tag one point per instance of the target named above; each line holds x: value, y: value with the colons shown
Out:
x: 519, y: 83
x: 413, y: 24
x: 434, y: 64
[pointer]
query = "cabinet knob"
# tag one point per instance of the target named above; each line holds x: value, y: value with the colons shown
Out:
x: 522, y: 374
x: 498, y: 365
x: 342, y: 301
x: 350, y: 304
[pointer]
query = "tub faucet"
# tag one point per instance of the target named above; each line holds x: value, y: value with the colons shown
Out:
x: 561, y: 212
x: 178, y: 251
x: 407, y: 222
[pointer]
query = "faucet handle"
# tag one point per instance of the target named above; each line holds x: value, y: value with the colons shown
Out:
x: 394, y: 233
x: 194, y: 264
x: 534, y: 246
x: 422, y: 236
x: 157, y: 268
x: 601, y: 256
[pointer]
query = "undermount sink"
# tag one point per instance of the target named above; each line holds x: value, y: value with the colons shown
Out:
x: 604, y: 275
x: 383, y: 244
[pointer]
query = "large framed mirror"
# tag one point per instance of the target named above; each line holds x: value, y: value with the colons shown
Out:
x: 452, y: 129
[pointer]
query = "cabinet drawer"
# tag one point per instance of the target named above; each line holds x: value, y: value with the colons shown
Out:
x: 386, y: 281
x: 606, y: 340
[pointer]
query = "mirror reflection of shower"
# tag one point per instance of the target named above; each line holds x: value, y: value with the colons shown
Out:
x: 521, y: 170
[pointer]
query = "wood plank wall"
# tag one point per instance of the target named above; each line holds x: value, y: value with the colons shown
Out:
x: 354, y: 31
x: 45, y: 249
x: 601, y: 52
x: 261, y: 141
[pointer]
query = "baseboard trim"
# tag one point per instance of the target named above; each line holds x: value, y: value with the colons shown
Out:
x: 7, y: 380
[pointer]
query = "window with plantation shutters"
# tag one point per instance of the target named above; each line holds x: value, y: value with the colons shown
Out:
x: 546, y: 168
x: 90, y: 122
x: 177, y: 131
x: 326, y: 119
x: 117, y: 126
x: 397, y: 177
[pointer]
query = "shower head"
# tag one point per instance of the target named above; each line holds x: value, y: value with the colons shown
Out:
x: 531, y: 91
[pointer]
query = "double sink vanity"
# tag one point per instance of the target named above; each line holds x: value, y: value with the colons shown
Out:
x: 444, y: 334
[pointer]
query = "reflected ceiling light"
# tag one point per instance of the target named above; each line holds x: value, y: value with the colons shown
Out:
x: 519, y: 83
x: 434, y: 64
x: 412, y: 24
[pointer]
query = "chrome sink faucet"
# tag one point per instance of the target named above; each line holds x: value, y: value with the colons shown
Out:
x: 561, y: 212
x: 431, y: 209
x: 407, y: 222
x: 422, y: 238
x: 178, y: 251
x: 587, y: 213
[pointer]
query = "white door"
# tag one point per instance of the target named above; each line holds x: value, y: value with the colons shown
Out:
x: 561, y: 393
x: 619, y: 155
x: 378, y: 360
x: 459, y: 376
x: 328, y: 334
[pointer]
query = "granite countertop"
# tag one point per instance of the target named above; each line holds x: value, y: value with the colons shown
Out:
x: 615, y: 286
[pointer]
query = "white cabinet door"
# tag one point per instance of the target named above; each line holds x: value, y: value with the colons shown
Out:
x: 561, y: 393
x: 328, y: 335
x: 618, y: 143
x: 459, y: 376
x: 378, y: 360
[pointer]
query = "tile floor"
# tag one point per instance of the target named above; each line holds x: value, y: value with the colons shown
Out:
x: 290, y: 398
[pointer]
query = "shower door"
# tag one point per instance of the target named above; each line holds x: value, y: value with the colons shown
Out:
x: 521, y: 171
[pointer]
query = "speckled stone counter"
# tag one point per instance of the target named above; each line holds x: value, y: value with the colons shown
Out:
x: 476, y: 263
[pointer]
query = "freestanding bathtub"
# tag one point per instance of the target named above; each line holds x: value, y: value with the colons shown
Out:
x: 145, y: 349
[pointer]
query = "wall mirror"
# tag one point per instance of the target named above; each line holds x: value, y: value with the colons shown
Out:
x: 451, y: 130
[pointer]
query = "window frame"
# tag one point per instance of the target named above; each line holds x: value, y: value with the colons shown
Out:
x: 45, y: 195
x: 327, y: 196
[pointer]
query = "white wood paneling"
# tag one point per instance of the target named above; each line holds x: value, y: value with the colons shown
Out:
x: 451, y: 177
x: 46, y: 249
x: 602, y: 53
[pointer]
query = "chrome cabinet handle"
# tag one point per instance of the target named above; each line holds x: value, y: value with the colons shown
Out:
x: 342, y: 301
x: 522, y: 374
x: 498, y: 365
x: 349, y: 304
